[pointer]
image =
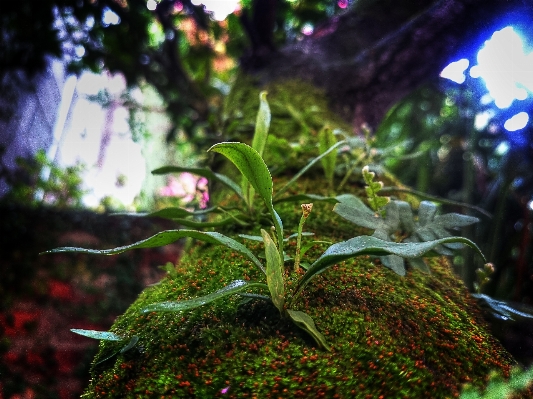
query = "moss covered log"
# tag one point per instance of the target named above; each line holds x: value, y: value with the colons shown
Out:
x: 391, y: 337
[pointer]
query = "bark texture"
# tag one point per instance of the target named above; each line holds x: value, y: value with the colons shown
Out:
x: 370, y: 57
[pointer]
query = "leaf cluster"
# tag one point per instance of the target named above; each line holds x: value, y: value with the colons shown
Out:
x: 256, y: 176
x: 394, y: 221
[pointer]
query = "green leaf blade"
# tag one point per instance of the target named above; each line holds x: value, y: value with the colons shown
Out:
x: 254, y: 169
x: 167, y: 237
x: 274, y: 271
x: 326, y: 139
x: 305, y: 322
x: 366, y: 245
x: 103, y: 335
x: 262, y: 124
x: 178, y: 306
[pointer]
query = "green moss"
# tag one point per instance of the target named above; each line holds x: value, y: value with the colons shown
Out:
x: 392, y: 337
x: 397, y: 337
x: 299, y: 110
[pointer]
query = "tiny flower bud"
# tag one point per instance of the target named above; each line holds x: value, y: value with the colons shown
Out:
x: 489, y: 268
x: 306, y: 209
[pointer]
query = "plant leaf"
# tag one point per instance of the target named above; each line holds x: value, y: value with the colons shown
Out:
x: 262, y: 124
x: 360, y: 218
x: 454, y: 220
x: 170, y: 213
x: 308, y: 166
x: 232, y: 288
x: 167, y: 237
x: 305, y: 322
x: 426, y: 212
x: 133, y: 341
x: 395, y: 263
x: 104, y: 335
x: 253, y: 168
x: 354, y: 202
x: 204, y: 172
x: 274, y: 271
x: 366, y: 245
x: 505, y: 309
x: 326, y: 139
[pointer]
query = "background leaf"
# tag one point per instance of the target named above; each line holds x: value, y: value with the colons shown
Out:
x: 326, y: 139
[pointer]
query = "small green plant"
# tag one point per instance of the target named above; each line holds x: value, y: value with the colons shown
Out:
x: 394, y: 221
x: 385, y: 218
x: 254, y: 169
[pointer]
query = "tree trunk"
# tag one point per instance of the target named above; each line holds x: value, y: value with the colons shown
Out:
x: 370, y: 57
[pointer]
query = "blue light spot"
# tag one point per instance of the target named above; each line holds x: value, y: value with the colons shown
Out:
x: 505, y: 68
x: 517, y: 122
x: 455, y: 71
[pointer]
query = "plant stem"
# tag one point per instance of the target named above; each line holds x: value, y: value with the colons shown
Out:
x: 306, y: 210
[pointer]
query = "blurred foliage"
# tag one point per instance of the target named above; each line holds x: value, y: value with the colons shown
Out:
x: 450, y: 153
x: 177, y: 48
x: 40, y: 181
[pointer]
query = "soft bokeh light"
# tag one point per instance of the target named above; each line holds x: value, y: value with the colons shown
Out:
x: 455, y: 71
x: 110, y: 18
x: 342, y: 3
x: 517, y: 122
x: 80, y: 139
x: 505, y: 68
x: 220, y: 8
x: 151, y: 5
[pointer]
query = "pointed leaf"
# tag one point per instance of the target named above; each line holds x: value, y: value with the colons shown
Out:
x: 232, y: 288
x: 426, y: 212
x: 354, y: 202
x: 105, y: 335
x: 305, y: 322
x: 308, y: 166
x: 326, y: 140
x: 204, y: 172
x: 133, y: 341
x: 395, y: 263
x: 274, y: 271
x: 251, y: 238
x: 505, y: 308
x: 259, y: 141
x: 454, y: 220
x: 262, y: 124
x: 253, y: 168
x: 366, y: 245
x: 406, y: 216
x: 392, y: 216
x: 419, y: 264
x: 359, y: 218
x: 167, y: 237
x: 170, y: 213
